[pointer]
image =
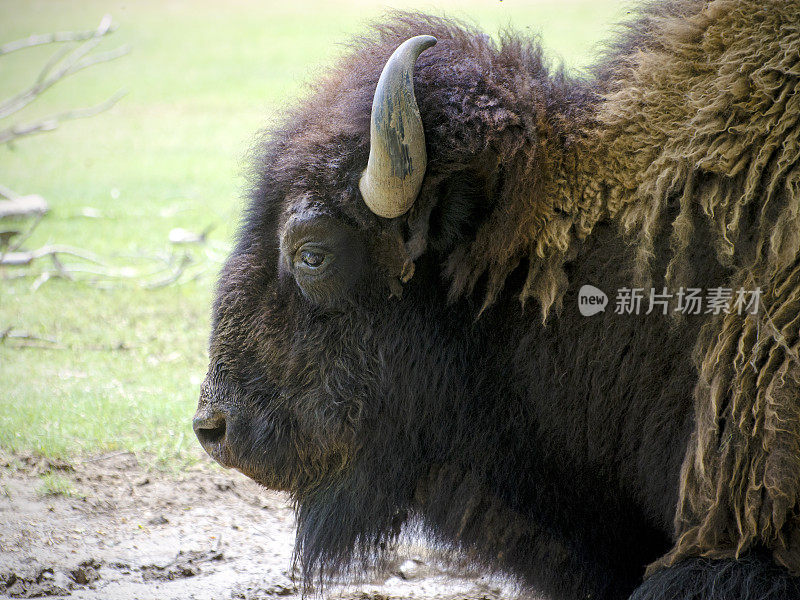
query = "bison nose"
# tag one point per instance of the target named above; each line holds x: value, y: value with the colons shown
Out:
x: 209, y: 427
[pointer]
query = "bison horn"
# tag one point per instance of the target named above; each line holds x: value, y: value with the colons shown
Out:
x: 397, y: 158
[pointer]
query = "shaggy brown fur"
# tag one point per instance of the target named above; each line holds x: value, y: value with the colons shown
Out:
x: 708, y: 116
x: 700, y: 109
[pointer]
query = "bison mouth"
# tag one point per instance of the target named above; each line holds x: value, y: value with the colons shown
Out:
x: 251, y: 446
x: 255, y: 434
x: 221, y: 439
x: 228, y: 435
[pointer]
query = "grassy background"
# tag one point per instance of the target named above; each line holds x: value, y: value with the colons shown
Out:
x: 202, y: 78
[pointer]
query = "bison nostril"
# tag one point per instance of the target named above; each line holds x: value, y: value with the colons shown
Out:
x: 209, y: 429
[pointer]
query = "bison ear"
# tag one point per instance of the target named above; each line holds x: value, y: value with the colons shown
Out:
x: 450, y: 216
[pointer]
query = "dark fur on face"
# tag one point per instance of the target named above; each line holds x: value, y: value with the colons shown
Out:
x: 435, y: 368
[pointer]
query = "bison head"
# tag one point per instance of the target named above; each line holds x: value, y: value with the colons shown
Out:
x: 344, y: 324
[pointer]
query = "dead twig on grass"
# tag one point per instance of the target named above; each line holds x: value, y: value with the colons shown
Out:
x: 184, y: 262
x: 158, y: 271
x: 26, y: 338
x: 17, y: 207
x: 68, y: 60
x: 23, y: 259
x: 7, y: 246
x: 19, y: 258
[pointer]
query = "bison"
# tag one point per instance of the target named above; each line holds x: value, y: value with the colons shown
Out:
x: 399, y: 335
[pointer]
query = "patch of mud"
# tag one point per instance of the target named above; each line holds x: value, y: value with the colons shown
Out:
x: 124, y: 533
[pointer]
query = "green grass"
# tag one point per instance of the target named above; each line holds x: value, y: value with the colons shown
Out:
x: 202, y: 78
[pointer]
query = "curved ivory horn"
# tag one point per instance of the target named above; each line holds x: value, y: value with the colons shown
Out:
x: 397, y: 158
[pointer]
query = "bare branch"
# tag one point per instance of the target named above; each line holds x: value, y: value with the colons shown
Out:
x: 6, y: 235
x: 23, y: 259
x: 52, y: 62
x: 101, y: 57
x: 186, y: 260
x: 180, y: 236
x: 6, y: 192
x: 21, y: 100
x: 53, y: 121
x: 63, y: 64
x: 10, y: 333
x: 159, y: 270
x: 21, y: 206
x: 48, y: 275
x: 24, y: 237
x: 51, y: 38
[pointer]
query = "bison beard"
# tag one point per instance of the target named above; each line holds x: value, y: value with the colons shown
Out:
x: 433, y: 368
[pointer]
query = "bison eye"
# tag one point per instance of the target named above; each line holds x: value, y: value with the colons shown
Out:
x: 311, y: 259
x: 323, y: 255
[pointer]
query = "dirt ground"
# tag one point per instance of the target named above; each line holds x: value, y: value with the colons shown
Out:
x: 120, y: 532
